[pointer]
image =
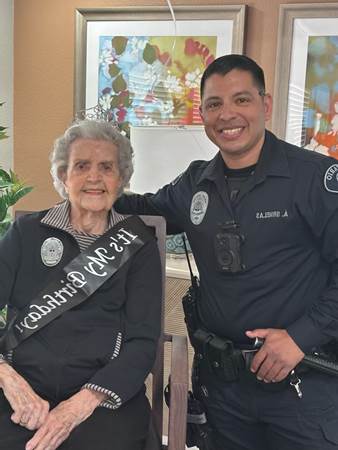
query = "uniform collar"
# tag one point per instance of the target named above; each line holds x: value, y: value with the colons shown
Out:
x: 214, y: 169
x: 272, y: 162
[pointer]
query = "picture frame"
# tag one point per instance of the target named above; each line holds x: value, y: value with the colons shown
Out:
x: 223, y: 23
x: 306, y: 89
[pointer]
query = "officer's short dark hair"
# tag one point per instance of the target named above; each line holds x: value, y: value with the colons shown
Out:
x: 225, y: 64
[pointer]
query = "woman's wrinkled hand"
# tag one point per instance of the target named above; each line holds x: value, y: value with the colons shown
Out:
x: 63, y: 419
x: 30, y: 410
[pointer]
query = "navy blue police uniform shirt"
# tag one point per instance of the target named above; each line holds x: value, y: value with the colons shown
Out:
x: 287, y: 211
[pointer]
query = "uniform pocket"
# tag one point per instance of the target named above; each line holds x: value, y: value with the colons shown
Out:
x: 330, y: 430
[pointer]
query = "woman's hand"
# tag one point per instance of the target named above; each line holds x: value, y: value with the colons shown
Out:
x: 63, y: 419
x: 30, y: 410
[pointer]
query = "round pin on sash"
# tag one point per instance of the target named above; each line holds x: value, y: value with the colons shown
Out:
x: 51, y: 251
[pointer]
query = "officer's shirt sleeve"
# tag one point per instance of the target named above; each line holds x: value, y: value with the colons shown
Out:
x: 320, y: 323
x: 124, y: 375
x: 166, y: 202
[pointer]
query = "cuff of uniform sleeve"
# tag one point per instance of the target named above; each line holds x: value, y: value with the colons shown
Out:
x: 113, y: 401
x: 305, y: 334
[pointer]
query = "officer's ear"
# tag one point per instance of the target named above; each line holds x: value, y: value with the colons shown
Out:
x: 200, y: 111
x: 267, y: 100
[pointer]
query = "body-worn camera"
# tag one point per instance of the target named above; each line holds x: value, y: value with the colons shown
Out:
x: 228, y: 243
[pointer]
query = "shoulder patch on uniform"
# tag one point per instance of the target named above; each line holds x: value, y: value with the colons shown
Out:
x: 331, y: 179
x: 198, y: 208
x: 177, y: 179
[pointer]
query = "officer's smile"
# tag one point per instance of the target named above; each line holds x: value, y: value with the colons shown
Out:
x: 231, y: 133
x: 234, y: 115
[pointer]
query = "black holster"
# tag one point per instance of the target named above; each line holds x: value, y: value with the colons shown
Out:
x: 199, y: 433
x: 218, y: 355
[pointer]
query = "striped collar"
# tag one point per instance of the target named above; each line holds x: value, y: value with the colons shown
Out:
x: 59, y: 217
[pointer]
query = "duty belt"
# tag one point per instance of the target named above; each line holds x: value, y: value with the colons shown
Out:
x: 230, y: 362
x: 220, y: 355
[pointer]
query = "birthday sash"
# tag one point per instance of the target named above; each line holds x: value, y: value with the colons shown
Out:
x: 79, y: 279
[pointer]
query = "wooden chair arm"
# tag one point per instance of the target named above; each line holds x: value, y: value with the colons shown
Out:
x: 179, y: 383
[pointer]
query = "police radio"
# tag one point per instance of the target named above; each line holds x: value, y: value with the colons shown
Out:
x: 228, y: 242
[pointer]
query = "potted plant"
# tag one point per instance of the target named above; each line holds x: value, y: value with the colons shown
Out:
x: 11, y: 190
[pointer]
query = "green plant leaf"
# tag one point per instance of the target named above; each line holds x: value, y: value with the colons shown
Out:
x: 3, y: 317
x: 119, y: 84
x: 4, y: 227
x: 11, y: 190
x: 5, y: 185
x: 3, y: 209
x: 3, y: 135
x: 149, y: 54
x: 5, y: 175
x: 115, y: 101
x: 126, y: 101
x: 113, y: 70
x: 21, y: 192
x: 14, y: 177
x: 119, y: 43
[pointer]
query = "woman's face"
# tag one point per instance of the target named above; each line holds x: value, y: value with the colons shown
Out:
x: 92, y: 179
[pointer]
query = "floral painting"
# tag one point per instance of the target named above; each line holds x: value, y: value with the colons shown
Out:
x: 320, y: 112
x: 153, y: 80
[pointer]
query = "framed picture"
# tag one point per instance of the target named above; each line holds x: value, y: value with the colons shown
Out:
x: 306, y: 81
x: 144, y: 67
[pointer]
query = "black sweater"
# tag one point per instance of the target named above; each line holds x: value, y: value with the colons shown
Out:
x: 107, y: 343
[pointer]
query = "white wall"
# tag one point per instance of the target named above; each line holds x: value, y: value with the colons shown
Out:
x: 6, y: 79
x: 164, y: 152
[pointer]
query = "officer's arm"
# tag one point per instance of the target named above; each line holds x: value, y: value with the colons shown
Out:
x: 158, y: 204
x: 320, y: 322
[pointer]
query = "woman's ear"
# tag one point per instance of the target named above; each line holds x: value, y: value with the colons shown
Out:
x: 62, y: 174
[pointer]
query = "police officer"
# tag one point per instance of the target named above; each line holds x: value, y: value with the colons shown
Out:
x: 262, y: 221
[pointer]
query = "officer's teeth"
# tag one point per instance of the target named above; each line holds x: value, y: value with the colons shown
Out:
x: 232, y: 131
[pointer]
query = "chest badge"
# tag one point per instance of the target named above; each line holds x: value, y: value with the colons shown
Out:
x: 198, y: 208
x: 331, y: 179
x: 51, y: 251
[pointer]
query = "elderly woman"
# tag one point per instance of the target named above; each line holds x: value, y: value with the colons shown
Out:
x: 85, y: 284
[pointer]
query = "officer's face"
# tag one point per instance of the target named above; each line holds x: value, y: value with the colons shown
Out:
x: 234, y: 115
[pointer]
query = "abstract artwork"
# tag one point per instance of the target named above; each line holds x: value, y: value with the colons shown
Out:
x: 153, y: 80
x: 320, y: 116
x: 144, y: 67
x: 306, y: 78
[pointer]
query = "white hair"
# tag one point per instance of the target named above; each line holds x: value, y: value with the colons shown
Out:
x: 90, y: 129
